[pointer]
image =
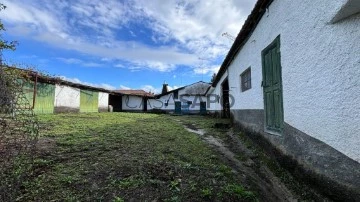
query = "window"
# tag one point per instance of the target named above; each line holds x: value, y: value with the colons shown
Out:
x: 246, y: 80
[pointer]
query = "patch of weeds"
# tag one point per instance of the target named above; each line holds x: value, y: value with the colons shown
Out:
x: 41, y: 162
x: 129, y: 182
x: 155, y: 182
x: 193, y: 186
x: 240, y: 192
x: 206, y: 192
x: 173, y: 199
x: 118, y: 199
x: 226, y: 170
x: 67, y: 179
x: 175, y: 185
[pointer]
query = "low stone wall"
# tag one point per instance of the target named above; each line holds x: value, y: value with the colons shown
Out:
x: 307, y: 158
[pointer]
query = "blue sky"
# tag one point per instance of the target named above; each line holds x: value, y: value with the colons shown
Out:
x: 117, y: 44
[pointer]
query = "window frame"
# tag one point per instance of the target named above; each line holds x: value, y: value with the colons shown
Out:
x: 245, y: 77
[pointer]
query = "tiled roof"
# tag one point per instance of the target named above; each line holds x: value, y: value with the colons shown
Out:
x: 135, y: 92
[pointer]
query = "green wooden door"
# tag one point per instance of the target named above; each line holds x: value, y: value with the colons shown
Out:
x: 272, y: 87
x: 202, y: 107
x: 28, y: 90
x: 89, y: 101
x: 177, y: 107
x: 44, y: 98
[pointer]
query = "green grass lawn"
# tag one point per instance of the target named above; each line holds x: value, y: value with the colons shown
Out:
x: 128, y: 156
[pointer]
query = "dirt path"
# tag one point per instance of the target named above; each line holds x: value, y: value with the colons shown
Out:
x: 254, y: 174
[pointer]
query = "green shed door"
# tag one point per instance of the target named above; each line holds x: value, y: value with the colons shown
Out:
x: 28, y: 90
x: 44, y: 99
x: 177, y: 107
x: 89, y: 101
x: 272, y: 87
x: 202, y: 107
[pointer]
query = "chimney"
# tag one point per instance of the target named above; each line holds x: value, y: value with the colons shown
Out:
x: 164, y: 88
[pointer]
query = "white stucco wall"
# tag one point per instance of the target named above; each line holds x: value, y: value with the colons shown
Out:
x: 218, y: 91
x: 132, y: 103
x: 320, y: 70
x: 159, y: 103
x: 103, y: 100
x: 66, y: 96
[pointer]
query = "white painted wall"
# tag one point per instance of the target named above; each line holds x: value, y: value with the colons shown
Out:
x: 132, y: 103
x: 66, y: 96
x: 320, y: 70
x: 217, y: 91
x: 182, y: 97
x: 160, y: 102
x: 103, y: 100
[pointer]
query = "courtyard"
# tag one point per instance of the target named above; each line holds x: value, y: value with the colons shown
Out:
x: 150, y: 157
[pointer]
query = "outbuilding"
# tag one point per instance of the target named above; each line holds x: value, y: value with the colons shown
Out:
x: 188, y: 99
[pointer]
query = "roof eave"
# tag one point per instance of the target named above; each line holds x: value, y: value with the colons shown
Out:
x: 244, y: 34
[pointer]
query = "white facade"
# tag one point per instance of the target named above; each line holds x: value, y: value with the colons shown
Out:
x: 320, y: 70
x: 132, y: 103
x: 217, y: 91
x: 103, y: 100
x: 66, y: 96
x: 192, y: 93
x: 160, y: 103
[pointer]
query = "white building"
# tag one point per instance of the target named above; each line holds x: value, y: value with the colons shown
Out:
x: 189, y: 99
x: 72, y: 97
x: 292, y: 76
x: 47, y: 95
x: 134, y: 100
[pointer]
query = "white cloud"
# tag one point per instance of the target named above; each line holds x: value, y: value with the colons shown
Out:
x: 184, y: 30
x: 159, y: 66
x: 70, y: 60
x: 101, y: 85
x: 149, y: 88
x: 207, y: 70
x: 173, y: 87
x: 156, y: 90
x: 75, y: 61
x: 122, y: 87
x: 197, y: 25
x: 92, y: 64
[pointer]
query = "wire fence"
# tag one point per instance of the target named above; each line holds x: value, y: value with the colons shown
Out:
x: 19, y: 132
